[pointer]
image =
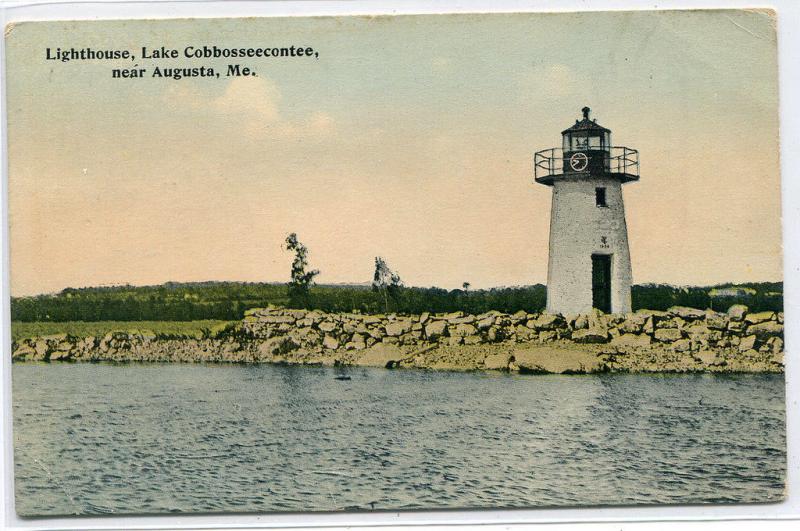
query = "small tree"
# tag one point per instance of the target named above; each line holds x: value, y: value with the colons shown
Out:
x: 466, y: 286
x: 386, y: 281
x: 301, y: 279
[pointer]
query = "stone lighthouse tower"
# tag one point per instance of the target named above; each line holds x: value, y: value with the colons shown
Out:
x: 589, y: 264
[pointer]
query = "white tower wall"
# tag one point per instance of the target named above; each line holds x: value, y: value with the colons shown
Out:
x: 577, y: 230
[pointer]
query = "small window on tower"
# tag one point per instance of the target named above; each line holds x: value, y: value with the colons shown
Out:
x: 600, y: 197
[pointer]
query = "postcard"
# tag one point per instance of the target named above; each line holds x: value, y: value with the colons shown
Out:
x: 371, y: 263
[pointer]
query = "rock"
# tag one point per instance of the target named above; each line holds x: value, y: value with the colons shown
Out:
x: 519, y: 316
x: 632, y: 340
x: 277, y: 319
x: 546, y: 321
x: 41, y: 350
x: 467, y: 319
x: 398, y: 328
x: 546, y: 336
x: 633, y: 323
x: 736, y: 326
x: 682, y: 345
x: 716, y: 320
x: 668, y: 334
x: 327, y: 326
x: 497, y: 361
x: 524, y: 333
x: 380, y: 355
x: 698, y: 332
x: 775, y: 344
x: 590, y: 335
x: 581, y: 322
x: 706, y: 357
x: 737, y: 312
x: 544, y: 359
x: 766, y: 329
x: 359, y: 342
x: 23, y: 352
x: 687, y: 313
x: 424, y: 317
x: 452, y: 315
x: 472, y: 340
x: 486, y: 323
x: 435, y: 329
x: 760, y: 317
x: 463, y: 330
x: 495, y: 334
x: 330, y: 342
x: 60, y: 355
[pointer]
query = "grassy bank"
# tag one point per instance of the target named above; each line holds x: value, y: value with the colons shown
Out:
x: 177, y: 329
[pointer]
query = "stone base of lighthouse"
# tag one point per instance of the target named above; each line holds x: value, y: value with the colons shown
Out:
x: 589, y: 263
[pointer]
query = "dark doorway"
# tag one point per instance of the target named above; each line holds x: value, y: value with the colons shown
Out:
x: 601, y: 282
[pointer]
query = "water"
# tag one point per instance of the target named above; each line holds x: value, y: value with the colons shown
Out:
x: 99, y: 439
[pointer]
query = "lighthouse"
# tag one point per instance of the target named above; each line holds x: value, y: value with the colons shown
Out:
x: 589, y: 264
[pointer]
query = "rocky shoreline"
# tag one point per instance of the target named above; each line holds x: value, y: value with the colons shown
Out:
x: 677, y: 340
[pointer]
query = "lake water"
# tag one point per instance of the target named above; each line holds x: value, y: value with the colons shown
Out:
x: 99, y: 439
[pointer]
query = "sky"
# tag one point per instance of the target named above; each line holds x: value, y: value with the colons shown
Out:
x: 409, y: 137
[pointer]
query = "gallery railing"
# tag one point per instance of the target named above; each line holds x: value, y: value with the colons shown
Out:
x: 618, y: 160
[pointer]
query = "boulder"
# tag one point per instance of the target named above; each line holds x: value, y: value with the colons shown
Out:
x: 590, y: 335
x: 518, y: 316
x: 760, y: 317
x: 327, y: 326
x: 632, y: 340
x: 716, y: 320
x: 698, y: 331
x: 486, y: 323
x: 524, y: 333
x: 766, y: 329
x: 706, y: 357
x: 398, y: 328
x: 546, y: 321
x: 775, y: 344
x: 682, y: 345
x: 547, y: 335
x: 581, y: 322
x: 668, y: 334
x: 380, y: 355
x: 495, y: 334
x: 463, y: 330
x: 424, y: 317
x: 687, y: 313
x: 737, y: 312
x: 546, y: 359
x: 435, y: 329
x: 497, y: 361
x: 330, y: 342
x: 277, y: 319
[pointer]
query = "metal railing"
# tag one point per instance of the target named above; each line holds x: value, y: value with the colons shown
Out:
x: 618, y: 159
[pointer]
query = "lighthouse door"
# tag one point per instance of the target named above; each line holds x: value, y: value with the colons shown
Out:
x: 601, y: 282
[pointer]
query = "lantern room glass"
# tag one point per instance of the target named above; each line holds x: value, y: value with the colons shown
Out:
x: 586, y: 140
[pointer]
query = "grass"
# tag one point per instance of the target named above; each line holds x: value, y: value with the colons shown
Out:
x: 195, y: 329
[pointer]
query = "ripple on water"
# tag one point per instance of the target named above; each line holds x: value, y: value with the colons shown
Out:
x: 198, y: 438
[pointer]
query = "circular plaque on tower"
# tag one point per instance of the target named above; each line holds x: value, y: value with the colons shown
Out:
x: 578, y: 161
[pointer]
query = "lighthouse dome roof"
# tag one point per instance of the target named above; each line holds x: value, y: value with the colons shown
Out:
x: 586, y: 124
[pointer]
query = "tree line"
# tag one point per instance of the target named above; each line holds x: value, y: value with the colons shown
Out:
x: 386, y: 293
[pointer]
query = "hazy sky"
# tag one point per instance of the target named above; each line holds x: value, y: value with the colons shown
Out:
x: 409, y: 137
